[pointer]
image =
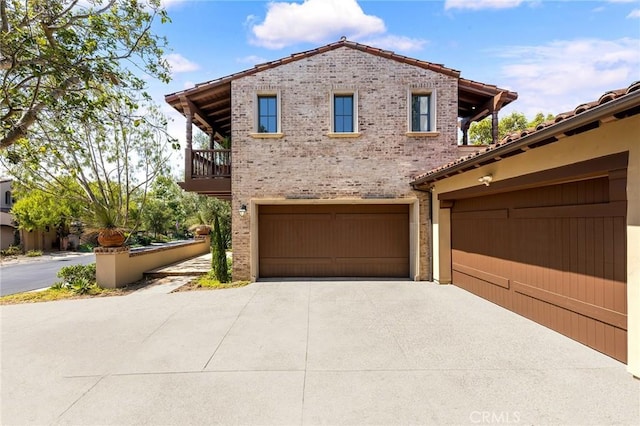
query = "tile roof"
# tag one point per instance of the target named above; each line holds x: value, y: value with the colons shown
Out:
x: 218, y: 92
x: 514, y: 138
x: 331, y: 46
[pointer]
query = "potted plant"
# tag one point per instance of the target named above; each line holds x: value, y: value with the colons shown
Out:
x: 106, y: 220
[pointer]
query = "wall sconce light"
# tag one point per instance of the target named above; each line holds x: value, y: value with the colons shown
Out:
x: 486, y: 180
x: 243, y: 210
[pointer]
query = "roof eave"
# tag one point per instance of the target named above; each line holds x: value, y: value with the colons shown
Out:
x: 595, y: 114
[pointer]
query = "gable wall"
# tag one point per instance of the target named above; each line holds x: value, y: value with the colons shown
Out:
x: 307, y: 163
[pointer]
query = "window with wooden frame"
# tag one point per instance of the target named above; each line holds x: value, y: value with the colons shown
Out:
x: 422, y: 113
x: 267, y: 115
x: 344, y: 114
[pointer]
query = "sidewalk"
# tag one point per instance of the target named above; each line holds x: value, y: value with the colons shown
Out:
x: 195, y: 266
x: 168, y: 278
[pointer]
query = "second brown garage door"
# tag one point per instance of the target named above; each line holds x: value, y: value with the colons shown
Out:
x: 334, y: 241
x: 555, y: 254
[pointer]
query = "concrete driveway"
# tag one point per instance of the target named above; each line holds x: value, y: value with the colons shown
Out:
x: 301, y: 353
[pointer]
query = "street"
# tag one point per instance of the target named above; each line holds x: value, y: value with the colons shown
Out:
x: 40, y: 273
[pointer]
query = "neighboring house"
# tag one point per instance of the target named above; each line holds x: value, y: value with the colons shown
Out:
x: 324, y: 144
x: 547, y: 224
x: 7, y: 225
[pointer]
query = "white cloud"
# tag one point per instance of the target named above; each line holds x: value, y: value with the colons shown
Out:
x: 251, y: 60
x: 179, y: 63
x: 560, y: 75
x: 481, y: 4
x: 393, y: 42
x: 313, y: 21
x: 634, y: 14
x: 169, y: 3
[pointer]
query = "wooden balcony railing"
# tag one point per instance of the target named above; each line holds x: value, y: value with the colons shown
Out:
x: 208, y: 171
x: 210, y: 163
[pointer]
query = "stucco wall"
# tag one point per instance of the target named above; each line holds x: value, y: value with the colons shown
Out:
x: 118, y: 267
x: 610, y: 138
x: 308, y: 164
x: 38, y: 240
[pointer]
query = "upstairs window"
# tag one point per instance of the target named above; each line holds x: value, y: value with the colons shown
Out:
x: 421, y: 113
x: 343, y: 113
x: 267, y: 114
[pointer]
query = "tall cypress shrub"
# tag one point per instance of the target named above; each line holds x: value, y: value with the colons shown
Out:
x: 219, y: 255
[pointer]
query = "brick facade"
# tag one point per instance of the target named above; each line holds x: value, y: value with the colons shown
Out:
x: 306, y: 163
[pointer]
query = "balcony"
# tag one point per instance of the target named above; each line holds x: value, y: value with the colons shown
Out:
x: 208, y: 171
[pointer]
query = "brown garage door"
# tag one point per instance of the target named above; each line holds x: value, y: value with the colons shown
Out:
x: 334, y: 241
x: 555, y: 254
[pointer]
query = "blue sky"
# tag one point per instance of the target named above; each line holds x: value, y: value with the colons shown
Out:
x: 555, y: 54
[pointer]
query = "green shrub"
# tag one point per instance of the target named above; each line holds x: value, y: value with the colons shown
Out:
x: 85, y: 248
x: 82, y: 286
x: 79, y: 278
x: 11, y: 251
x: 34, y: 253
x: 218, y: 253
x: 139, y: 240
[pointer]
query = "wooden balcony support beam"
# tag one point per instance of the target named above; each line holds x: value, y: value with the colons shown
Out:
x: 191, y: 108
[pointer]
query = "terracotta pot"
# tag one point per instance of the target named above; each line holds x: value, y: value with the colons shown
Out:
x: 111, y: 238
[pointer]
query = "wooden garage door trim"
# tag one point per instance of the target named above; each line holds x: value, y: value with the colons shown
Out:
x: 613, y: 165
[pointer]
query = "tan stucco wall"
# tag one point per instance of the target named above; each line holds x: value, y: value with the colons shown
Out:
x: 308, y: 163
x: 118, y: 267
x: 613, y: 137
x: 38, y: 240
x: 6, y: 236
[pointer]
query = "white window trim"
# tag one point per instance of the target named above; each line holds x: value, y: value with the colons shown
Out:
x: 256, y: 119
x: 432, y: 110
x: 332, y: 133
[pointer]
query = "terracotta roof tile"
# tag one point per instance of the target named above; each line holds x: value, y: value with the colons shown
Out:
x: 342, y: 42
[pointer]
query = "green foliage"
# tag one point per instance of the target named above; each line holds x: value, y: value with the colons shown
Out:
x: 480, y: 132
x: 86, y: 248
x: 11, y: 251
x: 201, y: 210
x: 39, y: 208
x: 34, y: 253
x: 218, y: 253
x: 82, y: 286
x: 97, y: 171
x: 66, y: 57
x: 139, y: 239
x: 209, y: 281
x: 78, y: 278
x: 157, y: 217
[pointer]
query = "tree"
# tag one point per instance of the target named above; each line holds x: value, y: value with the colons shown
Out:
x: 69, y: 55
x: 480, y: 132
x: 218, y: 253
x: 203, y: 210
x: 156, y: 217
x: 38, y: 209
x: 106, y: 164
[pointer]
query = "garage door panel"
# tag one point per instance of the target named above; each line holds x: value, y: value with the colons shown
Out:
x: 372, y: 235
x: 562, y: 251
x: 334, y: 240
x: 288, y: 235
